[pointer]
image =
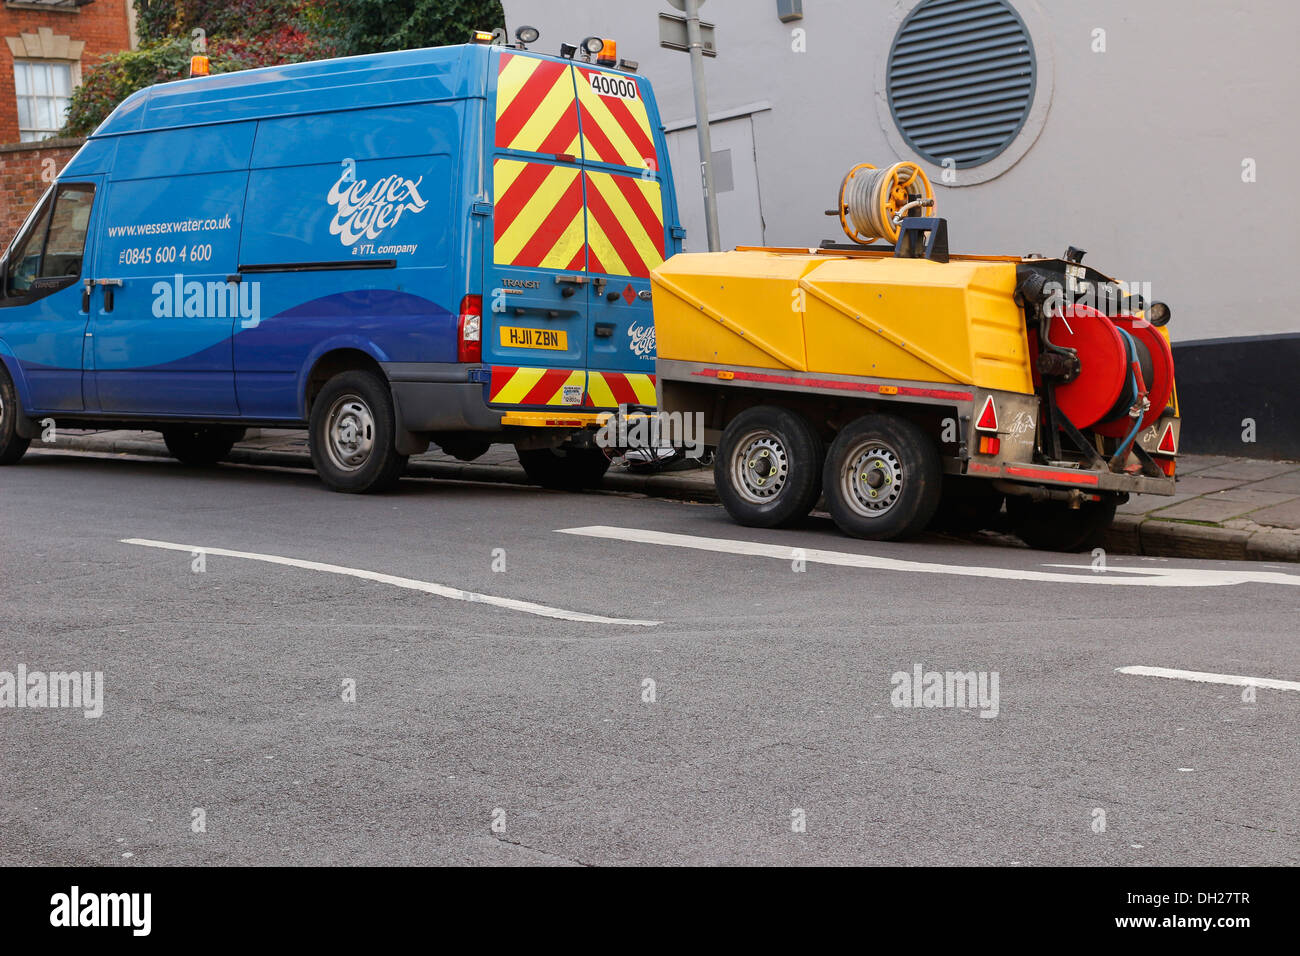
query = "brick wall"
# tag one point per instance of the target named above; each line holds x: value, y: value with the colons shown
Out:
x: 25, y: 175
x: 103, y: 25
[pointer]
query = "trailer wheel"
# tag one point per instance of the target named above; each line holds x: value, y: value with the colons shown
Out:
x: 768, y: 467
x: 564, y: 469
x: 883, y: 478
x: 353, y: 434
x: 12, y: 445
x: 1055, y: 526
x: 201, y: 445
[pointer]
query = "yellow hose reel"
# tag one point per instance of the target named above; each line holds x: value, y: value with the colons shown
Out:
x: 874, y: 201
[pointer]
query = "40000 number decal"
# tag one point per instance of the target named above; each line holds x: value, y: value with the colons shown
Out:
x: 607, y: 85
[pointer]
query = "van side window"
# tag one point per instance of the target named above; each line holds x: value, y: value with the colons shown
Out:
x: 25, y: 253
x: 67, y: 240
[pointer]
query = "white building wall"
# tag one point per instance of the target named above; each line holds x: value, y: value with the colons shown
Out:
x: 1138, y: 160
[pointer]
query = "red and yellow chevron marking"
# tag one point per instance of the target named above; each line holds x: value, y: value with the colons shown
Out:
x: 625, y: 225
x: 535, y: 106
x: 538, y: 221
x: 615, y: 125
x: 612, y: 389
x: 536, y: 386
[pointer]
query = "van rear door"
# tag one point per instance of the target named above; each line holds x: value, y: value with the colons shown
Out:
x: 536, y: 300
x: 627, y: 231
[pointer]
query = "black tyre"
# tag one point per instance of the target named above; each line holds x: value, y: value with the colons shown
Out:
x: 1055, y: 526
x: 12, y: 445
x: 564, y: 469
x: 883, y: 478
x: 201, y: 445
x: 768, y: 467
x: 353, y: 434
x: 967, y: 505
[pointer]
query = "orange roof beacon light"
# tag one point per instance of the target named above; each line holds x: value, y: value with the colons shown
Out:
x: 482, y: 36
x: 200, y: 66
x: 608, y: 55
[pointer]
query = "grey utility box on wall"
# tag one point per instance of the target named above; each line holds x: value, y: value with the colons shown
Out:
x: 789, y: 10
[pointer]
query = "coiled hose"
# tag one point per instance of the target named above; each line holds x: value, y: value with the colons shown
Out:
x: 873, y: 201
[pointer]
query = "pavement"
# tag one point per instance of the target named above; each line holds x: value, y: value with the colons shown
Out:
x: 1228, y: 508
x: 475, y: 672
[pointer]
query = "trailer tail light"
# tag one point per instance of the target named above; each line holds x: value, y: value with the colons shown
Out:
x: 1167, y: 445
x: 989, y: 445
x: 988, y: 419
x: 469, y: 340
x: 1167, y: 465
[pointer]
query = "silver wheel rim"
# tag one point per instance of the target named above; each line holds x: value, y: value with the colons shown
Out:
x: 871, y: 480
x: 760, y: 467
x: 349, y: 433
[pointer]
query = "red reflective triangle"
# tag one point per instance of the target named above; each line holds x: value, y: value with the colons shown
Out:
x: 1167, y: 440
x: 988, y: 420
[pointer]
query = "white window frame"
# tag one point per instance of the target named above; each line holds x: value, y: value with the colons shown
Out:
x: 32, y: 133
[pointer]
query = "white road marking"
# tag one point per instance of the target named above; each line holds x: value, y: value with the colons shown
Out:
x: 1161, y: 577
x: 1205, y: 678
x: 456, y: 594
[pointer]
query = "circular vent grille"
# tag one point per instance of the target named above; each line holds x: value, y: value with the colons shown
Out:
x: 960, y: 79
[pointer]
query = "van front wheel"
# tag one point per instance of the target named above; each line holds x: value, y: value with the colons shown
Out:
x: 12, y: 445
x: 353, y: 434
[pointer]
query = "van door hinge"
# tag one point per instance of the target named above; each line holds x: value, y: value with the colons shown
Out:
x: 481, y: 208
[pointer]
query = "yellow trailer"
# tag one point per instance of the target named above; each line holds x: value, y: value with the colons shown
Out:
x: 908, y: 384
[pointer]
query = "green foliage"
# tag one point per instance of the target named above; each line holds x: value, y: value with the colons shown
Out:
x: 237, y: 35
x: 242, y: 34
x: 373, y: 26
x: 118, y: 75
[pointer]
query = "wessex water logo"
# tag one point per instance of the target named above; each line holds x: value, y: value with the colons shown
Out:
x: 363, y: 211
x: 642, y: 339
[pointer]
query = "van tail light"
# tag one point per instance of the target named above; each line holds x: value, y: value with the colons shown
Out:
x: 469, y: 340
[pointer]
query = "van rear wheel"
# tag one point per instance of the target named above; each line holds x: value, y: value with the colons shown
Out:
x: 201, y: 445
x: 353, y: 434
x: 12, y: 445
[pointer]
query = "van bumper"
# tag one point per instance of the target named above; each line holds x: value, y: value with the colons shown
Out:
x: 439, y: 397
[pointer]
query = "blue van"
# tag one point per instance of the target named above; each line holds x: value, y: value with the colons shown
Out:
x: 446, y: 245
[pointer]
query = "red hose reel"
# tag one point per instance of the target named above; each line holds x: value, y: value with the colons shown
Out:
x: 1089, y: 401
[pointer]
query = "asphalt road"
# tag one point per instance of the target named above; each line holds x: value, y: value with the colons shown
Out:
x: 484, y: 732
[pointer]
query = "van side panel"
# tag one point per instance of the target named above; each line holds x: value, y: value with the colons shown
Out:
x: 351, y: 223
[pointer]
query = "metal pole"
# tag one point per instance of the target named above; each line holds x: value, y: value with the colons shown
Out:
x: 702, y: 121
